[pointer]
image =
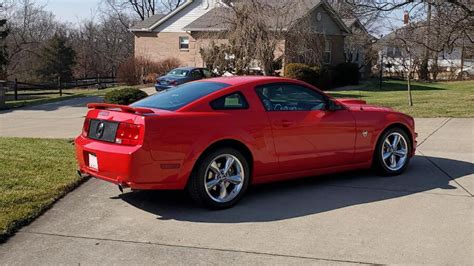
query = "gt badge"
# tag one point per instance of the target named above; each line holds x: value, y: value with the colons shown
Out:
x: 365, y: 133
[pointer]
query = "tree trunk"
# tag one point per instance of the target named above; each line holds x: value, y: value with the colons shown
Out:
x: 424, y: 67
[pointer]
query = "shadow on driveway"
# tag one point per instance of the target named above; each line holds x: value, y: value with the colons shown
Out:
x: 291, y: 199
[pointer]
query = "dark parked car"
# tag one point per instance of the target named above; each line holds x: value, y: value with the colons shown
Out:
x: 180, y: 76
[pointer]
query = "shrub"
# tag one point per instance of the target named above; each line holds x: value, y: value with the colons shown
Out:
x: 302, y: 72
x: 348, y: 74
x: 139, y: 70
x: 124, y: 96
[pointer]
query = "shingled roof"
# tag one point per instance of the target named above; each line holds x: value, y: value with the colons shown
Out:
x: 218, y: 18
x: 148, y: 22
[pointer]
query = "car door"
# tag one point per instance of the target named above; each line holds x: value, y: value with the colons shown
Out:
x: 196, y: 74
x: 306, y: 134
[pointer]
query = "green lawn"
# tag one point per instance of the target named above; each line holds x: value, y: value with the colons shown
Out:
x: 439, y: 99
x: 27, y: 100
x: 34, y: 173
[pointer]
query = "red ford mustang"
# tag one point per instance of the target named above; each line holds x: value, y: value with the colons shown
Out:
x: 215, y: 137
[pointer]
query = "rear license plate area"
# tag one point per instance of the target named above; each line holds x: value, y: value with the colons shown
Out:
x: 93, y: 162
x: 103, y: 130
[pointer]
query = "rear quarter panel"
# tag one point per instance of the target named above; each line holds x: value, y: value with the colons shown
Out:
x: 181, y: 138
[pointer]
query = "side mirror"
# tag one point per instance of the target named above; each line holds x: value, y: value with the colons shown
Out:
x: 333, y: 106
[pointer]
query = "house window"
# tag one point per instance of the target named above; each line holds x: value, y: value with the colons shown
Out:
x: 184, y: 43
x: 327, y: 52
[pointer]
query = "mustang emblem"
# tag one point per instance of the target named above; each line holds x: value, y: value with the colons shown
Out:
x: 99, y: 130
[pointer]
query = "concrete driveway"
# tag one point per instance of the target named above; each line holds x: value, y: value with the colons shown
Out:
x: 52, y: 120
x: 423, y: 216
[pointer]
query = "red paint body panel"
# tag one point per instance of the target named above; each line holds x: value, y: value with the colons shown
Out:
x: 283, y: 144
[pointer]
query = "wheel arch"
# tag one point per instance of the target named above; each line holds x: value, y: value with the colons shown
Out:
x: 403, y: 127
x: 226, y: 143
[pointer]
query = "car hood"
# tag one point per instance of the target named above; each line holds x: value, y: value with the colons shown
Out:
x: 358, y: 104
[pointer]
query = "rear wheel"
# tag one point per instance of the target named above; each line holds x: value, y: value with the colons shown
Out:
x: 220, y: 179
x: 391, y: 155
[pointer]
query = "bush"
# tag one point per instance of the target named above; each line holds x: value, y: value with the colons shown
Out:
x: 139, y: 70
x: 124, y: 96
x: 302, y: 72
x: 348, y: 74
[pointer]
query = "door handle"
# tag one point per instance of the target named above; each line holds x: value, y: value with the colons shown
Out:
x: 285, y: 123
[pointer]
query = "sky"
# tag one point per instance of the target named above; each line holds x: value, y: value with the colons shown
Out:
x: 71, y: 10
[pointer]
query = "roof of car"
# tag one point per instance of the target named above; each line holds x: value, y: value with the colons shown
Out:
x: 188, y: 68
x: 239, y: 80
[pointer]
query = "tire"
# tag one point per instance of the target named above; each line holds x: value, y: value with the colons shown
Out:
x: 209, y: 179
x: 390, y: 160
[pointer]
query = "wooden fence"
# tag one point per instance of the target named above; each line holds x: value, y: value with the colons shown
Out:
x: 30, y: 89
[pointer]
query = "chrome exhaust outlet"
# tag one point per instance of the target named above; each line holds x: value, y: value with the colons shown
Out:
x: 82, y: 175
x: 120, y: 187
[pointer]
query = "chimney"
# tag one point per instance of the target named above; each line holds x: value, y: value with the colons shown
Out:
x: 406, y: 17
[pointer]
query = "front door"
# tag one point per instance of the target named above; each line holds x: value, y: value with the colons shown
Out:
x: 306, y: 135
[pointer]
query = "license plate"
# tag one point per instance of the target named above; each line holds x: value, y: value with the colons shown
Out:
x: 93, y: 162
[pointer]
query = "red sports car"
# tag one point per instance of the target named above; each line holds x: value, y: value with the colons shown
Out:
x: 215, y: 137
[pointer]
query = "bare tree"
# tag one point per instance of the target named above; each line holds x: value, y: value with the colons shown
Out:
x: 30, y: 26
x: 142, y: 8
x: 262, y: 33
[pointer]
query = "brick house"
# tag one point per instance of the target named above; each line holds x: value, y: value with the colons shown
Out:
x: 179, y: 34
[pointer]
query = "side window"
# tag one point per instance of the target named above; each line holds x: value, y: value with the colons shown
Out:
x: 231, y: 101
x: 196, y: 74
x: 207, y: 73
x: 290, y: 97
x: 327, y: 52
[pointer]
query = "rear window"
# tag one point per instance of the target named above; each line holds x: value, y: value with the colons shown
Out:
x: 178, y: 72
x: 175, y: 98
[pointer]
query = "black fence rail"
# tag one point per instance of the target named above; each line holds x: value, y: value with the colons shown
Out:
x: 30, y: 89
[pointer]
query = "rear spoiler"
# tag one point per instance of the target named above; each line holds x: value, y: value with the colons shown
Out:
x: 123, y: 108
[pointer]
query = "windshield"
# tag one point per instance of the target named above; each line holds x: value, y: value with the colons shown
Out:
x: 178, y: 72
x: 177, y: 97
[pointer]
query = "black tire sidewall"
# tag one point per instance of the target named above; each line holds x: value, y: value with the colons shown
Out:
x: 378, y: 159
x: 198, y: 179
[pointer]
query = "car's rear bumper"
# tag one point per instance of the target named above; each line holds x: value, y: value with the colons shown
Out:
x: 129, y: 166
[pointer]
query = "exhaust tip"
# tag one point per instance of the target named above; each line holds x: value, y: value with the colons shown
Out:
x: 120, y: 187
x: 79, y: 173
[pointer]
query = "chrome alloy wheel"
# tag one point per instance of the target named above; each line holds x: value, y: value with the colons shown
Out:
x: 224, y: 178
x: 394, y: 151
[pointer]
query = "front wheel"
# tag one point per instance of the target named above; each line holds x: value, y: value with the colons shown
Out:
x: 391, y: 156
x: 220, y: 179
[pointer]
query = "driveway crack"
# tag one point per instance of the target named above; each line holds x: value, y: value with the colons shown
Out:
x: 446, y: 173
x: 434, y: 132
x: 202, y: 248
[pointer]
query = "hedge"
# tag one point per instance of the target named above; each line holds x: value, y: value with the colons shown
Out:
x: 124, y: 96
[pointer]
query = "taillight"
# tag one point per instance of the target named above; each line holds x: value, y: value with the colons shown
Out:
x: 128, y: 134
x: 173, y: 82
x: 85, y: 127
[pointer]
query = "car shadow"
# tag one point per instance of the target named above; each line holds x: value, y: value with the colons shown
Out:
x: 308, y: 196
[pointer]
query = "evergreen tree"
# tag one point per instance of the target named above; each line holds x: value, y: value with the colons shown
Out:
x: 57, y: 60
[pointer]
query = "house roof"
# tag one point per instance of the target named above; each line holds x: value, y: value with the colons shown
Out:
x: 154, y: 21
x: 219, y: 18
x: 147, y: 23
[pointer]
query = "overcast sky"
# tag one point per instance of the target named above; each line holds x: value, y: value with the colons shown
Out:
x: 71, y: 10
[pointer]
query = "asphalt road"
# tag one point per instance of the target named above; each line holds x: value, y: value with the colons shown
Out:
x: 423, y: 216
